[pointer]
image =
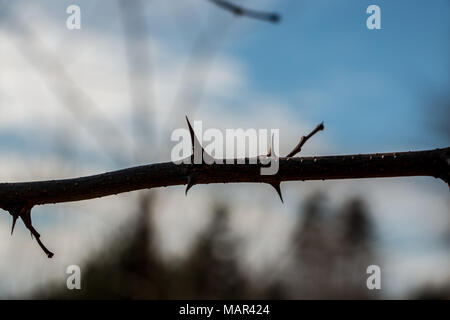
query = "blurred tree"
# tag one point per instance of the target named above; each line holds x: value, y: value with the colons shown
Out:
x: 357, y: 252
x: 332, y: 251
x: 129, y: 268
x: 211, y: 270
x: 314, y: 255
x: 430, y: 292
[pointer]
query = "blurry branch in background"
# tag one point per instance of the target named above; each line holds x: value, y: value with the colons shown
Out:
x: 205, y: 45
x: 139, y: 74
x: 240, y: 11
x: 14, y: 197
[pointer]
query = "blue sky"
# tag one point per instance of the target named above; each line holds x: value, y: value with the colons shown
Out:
x: 373, y: 85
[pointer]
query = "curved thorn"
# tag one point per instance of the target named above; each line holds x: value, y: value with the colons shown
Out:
x: 191, y: 132
x: 197, y: 148
x: 277, y: 187
x: 190, y: 183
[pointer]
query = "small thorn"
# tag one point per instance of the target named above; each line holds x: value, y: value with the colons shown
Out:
x: 277, y: 187
x: 190, y: 184
x: 15, y: 217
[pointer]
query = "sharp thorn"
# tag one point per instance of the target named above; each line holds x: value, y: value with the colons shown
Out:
x: 277, y: 187
x: 190, y: 184
x: 194, y: 141
x: 15, y: 217
x: 191, y: 132
x: 197, y: 147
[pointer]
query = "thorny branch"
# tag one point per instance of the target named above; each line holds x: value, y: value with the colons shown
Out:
x: 240, y: 11
x: 19, y: 198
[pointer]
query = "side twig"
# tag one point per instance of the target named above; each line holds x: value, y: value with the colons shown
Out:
x: 303, y: 140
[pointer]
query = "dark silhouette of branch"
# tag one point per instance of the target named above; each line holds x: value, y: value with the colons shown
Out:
x: 381, y: 165
x: 19, y: 198
x: 240, y: 11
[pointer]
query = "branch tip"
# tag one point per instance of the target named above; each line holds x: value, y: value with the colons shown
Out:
x: 275, y: 17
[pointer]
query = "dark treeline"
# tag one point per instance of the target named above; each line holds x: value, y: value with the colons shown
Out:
x: 328, y: 255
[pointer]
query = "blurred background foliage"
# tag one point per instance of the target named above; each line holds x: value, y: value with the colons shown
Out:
x: 330, y: 250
